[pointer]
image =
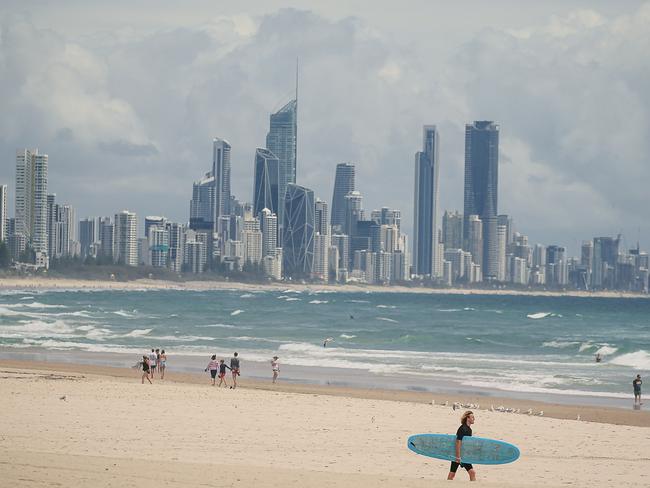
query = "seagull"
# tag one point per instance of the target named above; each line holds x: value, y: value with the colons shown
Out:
x: 64, y: 398
x: 578, y: 418
x: 541, y: 413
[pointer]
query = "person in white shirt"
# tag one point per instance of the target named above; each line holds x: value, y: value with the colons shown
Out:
x: 153, y: 360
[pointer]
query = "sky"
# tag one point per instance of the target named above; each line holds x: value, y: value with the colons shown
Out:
x: 126, y: 96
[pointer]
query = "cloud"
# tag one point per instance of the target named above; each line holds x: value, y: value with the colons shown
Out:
x: 129, y: 115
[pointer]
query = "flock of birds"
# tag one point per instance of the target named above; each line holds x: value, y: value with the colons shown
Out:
x: 500, y: 408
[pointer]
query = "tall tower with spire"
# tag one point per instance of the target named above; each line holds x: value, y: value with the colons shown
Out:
x: 282, y: 141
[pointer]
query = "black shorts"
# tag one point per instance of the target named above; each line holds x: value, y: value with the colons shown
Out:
x: 213, y: 373
x: 454, y: 466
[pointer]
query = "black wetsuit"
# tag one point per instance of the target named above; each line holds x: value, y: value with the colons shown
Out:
x: 463, y: 431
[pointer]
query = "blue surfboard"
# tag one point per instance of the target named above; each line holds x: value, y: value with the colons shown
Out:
x: 473, y: 450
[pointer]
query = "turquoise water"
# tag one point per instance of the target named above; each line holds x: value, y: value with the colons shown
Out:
x: 505, y: 343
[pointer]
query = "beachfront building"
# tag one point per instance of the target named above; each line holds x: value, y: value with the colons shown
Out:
x: 272, y: 265
x: 342, y: 243
x: 3, y: 213
x: 221, y: 183
x: 267, y: 180
x: 125, y: 238
x: 195, y: 252
x: 481, y: 190
x: 475, y: 238
x: 321, y: 219
x: 282, y: 140
x: 252, y: 241
x: 425, y: 207
x: 31, y: 201
x: 157, y: 238
x: 202, y: 203
x: 452, y: 230
x: 343, y: 184
x: 153, y: 221
x: 269, y: 228
x: 61, y: 230
x: 88, y: 237
x: 605, y: 256
x: 298, y: 234
x: 320, y: 269
x: 353, y: 212
x: 502, y: 231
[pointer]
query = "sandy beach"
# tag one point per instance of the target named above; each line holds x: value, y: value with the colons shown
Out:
x: 44, y: 283
x: 110, y: 430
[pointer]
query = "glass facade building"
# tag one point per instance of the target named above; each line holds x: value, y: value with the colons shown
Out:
x: 481, y: 188
x: 343, y: 184
x: 267, y: 180
x: 298, y: 235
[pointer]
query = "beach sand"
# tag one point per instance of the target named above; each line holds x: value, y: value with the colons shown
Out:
x: 112, y: 431
x: 26, y: 283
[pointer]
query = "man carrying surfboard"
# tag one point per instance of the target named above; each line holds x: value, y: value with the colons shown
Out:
x: 465, y: 430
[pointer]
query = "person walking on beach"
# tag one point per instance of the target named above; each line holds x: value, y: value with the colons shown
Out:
x: 162, y: 364
x: 636, y: 384
x: 465, y: 430
x: 152, y: 362
x: 275, y: 366
x: 234, y: 367
x: 213, y: 367
x: 222, y: 373
x: 145, y: 369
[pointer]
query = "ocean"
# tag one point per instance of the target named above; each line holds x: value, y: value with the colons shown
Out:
x: 530, y: 345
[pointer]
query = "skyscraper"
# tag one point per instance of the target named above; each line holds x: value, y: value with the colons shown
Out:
x: 321, y: 218
x: 87, y: 235
x: 221, y: 173
x: 353, y: 212
x: 343, y: 184
x: 481, y: 188
x: 269, y: 228
x: 105, y: 233
x: 202, y: 204
x: 125, y: 238
x: 31, y: 200
x: 605, y: 255
x: 452, y: 230
x: 3, y: 213
x: 425, y: 214
x: 267, y: 180
x: 282, y: 140
x: 298, y: 234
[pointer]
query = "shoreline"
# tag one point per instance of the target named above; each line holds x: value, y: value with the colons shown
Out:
x: 43, y: 283
x: 587, y: 413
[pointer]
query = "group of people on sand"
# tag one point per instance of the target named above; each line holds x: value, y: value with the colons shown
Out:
x: 155, y: 360
x: 218, y: 367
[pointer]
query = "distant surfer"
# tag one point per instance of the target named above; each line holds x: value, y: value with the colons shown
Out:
x: 352, y: 317
x: 599, y: 358
x: 327, y: 341
x: 636, y: 384
x: 465, y: 430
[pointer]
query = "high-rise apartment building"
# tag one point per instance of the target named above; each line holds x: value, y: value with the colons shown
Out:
x: 475, y: 238
x: 221, y: 173
x: 481, y: 188
x: 343, y: 184
x: 202, y: 204
x: 31, y: 201
x: 282, y: 140
x: 320, y: 269
x: 3, y: 213
x: 452, y: 230
x: 425, y: 215
x: 298, y: 233
x: 267, y: 180
x: 269, y: 228
x: 87, y: 236
x: 153, y: 221
x: 105, y: 232
x: 604, y: 262
x: 125, y: 238
x: 321, y: 218
x: 353, y: 212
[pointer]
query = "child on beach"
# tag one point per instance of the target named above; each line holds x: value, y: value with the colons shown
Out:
x: 465, y: 430
x: 145, y: 369
x: 222, y: 373
x: 275, y: 366
x: 162, y: 362
x: 213, y: 367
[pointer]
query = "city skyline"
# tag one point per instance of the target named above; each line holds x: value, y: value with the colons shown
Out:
x: 548, y: 148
